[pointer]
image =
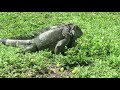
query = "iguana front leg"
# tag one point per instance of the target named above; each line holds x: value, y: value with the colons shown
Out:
x: 71, y: 42
x: 61, y: 44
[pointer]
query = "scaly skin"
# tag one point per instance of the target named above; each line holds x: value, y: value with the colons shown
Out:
x: 55, y: 38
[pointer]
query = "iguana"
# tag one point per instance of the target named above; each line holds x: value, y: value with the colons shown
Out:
x: 55, y: 38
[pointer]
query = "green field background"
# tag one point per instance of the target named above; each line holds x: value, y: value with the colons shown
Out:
x: 96, y: 55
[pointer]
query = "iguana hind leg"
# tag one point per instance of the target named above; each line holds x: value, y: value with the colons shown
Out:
x: 30, y: 48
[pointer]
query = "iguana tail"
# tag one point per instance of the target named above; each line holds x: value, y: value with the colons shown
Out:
x: 14, y: 42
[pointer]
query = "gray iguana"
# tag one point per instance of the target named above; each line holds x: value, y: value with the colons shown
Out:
x: 55, y: 38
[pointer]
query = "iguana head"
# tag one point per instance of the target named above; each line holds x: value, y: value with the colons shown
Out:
x: 76, y: 31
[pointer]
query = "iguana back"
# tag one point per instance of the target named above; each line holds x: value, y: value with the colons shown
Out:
x: 49, y: 37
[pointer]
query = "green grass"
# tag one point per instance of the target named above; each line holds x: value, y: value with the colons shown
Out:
x: 97, y: 54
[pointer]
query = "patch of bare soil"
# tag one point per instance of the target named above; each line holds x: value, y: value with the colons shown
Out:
x: 51, y: 72
x: 56, y: 73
